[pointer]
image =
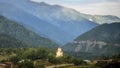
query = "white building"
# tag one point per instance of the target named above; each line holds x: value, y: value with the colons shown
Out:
x: 59, y: 52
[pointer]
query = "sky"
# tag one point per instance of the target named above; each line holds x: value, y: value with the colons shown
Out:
x: 93, y: 7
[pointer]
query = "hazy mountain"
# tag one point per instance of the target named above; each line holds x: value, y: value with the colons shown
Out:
x: 16, y: 32
x: 55, y: 22
x: 104, y: 39
x: 58, y: 23
x: 101, y: 19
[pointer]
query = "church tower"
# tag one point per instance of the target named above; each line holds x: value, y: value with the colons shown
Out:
x: 59, y: 52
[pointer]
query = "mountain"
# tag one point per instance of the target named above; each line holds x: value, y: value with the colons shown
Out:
x: 14, y: 31
x: 101, y: 40
x: 101, y: 19
x: 55, y: 22
x: 60, y: 24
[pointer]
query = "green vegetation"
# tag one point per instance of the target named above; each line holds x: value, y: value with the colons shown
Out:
x: 9, y: 42
x: 109, y: 33
x: 35, y: 57
x: 26, y: 64
x: 78, y: 62
x: 19, y: 32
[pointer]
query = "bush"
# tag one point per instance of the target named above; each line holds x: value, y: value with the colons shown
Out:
x: 77, y: 62
x: 26, y: 64
x: 53, y: 59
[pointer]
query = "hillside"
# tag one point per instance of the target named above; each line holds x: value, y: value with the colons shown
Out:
x: 19, y: 32
x: 9, y: 42
x: 102, y: 40
x: 109, y: 33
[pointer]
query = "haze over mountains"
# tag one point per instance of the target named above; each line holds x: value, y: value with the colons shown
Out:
x: 60, y: 24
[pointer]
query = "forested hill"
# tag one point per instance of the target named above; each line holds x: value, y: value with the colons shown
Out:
x: 109, y: 33
x: 21, y: 33
x: 8, y: 42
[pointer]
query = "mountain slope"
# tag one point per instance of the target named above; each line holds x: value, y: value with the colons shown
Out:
x: 19, y: 32
x: 9, y: 42
x: 109, y: 33
x: 104, y: 39
x: 101, y: 19
x: 56, y: 24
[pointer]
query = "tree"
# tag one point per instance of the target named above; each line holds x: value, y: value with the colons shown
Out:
x: 42, y: 53
x: 77, y: 61
x: 53, y: 59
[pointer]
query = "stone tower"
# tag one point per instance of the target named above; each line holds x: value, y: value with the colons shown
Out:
x: 59, y: 52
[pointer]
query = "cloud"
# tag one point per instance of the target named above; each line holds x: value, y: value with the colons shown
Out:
x: 112, y: 0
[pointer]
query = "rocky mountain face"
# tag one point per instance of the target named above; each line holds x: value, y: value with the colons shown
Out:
x: 88, y: 45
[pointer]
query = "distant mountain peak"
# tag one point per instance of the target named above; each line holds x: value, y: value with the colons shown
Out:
x: 42, y: 3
